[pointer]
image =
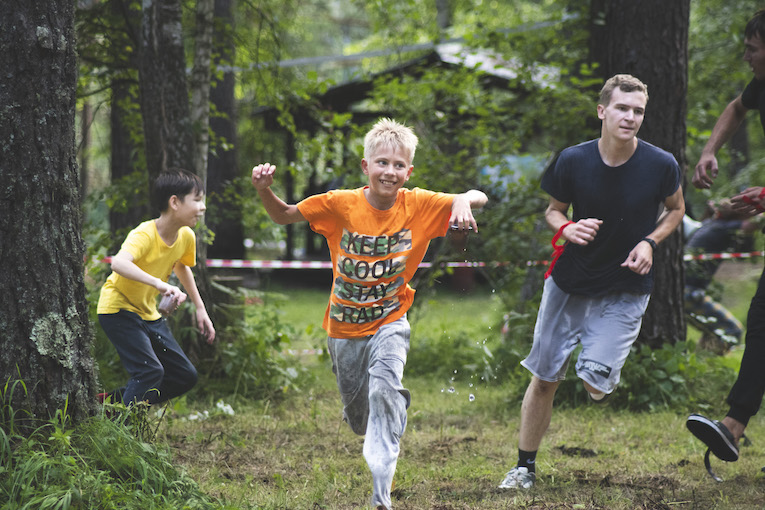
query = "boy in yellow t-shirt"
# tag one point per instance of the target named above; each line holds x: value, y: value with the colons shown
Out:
x: 377, y: 236
x: 127, y: 307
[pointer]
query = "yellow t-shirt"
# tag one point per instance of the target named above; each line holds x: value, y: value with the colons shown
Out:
x: 151, y: 254
x: 374, y: 253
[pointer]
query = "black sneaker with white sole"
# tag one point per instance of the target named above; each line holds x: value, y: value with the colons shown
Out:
x: 715, y: 435
x: 599, y: 401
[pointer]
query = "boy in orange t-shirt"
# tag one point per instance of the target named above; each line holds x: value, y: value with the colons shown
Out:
x: 377, y: 236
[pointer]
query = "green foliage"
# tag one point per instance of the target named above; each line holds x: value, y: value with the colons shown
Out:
x: 672, y: 377
x: 13, y: 422
x: 716, y: 48
x: 455, y: 357
x: 250, y: 361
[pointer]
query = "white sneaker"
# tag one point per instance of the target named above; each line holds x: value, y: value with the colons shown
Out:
x: 518, y: 478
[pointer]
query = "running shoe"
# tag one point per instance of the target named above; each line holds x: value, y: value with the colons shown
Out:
x: 518, y: 478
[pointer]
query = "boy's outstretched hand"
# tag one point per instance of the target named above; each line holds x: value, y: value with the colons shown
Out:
x: 263, y: 176
x: 462, y: 214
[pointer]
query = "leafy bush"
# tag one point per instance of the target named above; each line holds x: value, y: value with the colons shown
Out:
x: 250, y: 359
x: 673, y: 376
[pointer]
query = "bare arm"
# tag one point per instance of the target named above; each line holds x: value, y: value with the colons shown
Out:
x: 203, y: 322
x: 123, y: 265
x: 279, y: 211
x: 462, y: 209
x: 640, y: 259
x: 674, y: 209
x: 727, y: 124
x: 581, y: 232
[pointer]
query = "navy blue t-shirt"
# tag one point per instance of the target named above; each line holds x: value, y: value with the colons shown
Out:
x: 628, y: 198
x: 753, y: 98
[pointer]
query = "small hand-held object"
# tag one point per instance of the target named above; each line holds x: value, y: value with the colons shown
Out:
x: 167, y: 305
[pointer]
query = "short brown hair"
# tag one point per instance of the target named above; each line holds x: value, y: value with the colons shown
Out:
x: 625, y: 83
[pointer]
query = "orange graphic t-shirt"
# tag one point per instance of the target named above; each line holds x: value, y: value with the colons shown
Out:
x: 374, y: 253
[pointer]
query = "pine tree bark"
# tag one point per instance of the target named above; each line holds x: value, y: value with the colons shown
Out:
x: 649, y: 40
x: 46, y: 334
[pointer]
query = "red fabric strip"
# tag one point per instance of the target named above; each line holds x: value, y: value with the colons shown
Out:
x: 557, y: 249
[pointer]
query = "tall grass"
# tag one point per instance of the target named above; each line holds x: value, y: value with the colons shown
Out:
x: 103, y: 463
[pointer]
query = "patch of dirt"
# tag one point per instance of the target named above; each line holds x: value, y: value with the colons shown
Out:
x: 737, y: 270
x: 575, y: 451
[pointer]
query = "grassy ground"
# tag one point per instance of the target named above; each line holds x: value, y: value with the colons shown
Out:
x: 297, y: 453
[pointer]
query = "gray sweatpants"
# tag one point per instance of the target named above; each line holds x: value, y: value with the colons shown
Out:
x: 369, y: 372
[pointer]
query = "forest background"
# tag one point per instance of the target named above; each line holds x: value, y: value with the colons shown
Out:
x: 493, y: 89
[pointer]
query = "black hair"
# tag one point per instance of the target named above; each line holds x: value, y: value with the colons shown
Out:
x: 178, y: 182
x: 756, y: 26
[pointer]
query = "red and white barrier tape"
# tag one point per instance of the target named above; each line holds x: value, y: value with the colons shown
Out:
x: 300, y: 264
x: 313, y: 264
x: 326, y: 264
x: 720, y: 256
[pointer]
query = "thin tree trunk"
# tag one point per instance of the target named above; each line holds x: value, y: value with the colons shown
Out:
x: 200, y: 86
x: 124, y: 164
x: 223, y: 165
x: 46, y: 335
x: 86, y: 119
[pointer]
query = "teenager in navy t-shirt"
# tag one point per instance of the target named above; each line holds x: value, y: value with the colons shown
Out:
x: 616, y: 187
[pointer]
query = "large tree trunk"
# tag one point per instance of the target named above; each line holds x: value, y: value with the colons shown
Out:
x: 649, y: 40
x: 46, y: 335
x: 223, y: 164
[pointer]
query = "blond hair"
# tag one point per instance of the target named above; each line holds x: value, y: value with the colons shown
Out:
x: 388, y: 132
x: 625, y: 83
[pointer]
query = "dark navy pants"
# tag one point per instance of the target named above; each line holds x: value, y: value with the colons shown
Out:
x: 746, y: 395
x: 159, y: 370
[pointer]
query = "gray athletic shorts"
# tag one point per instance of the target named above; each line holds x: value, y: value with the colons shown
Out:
x: 606, y: 326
